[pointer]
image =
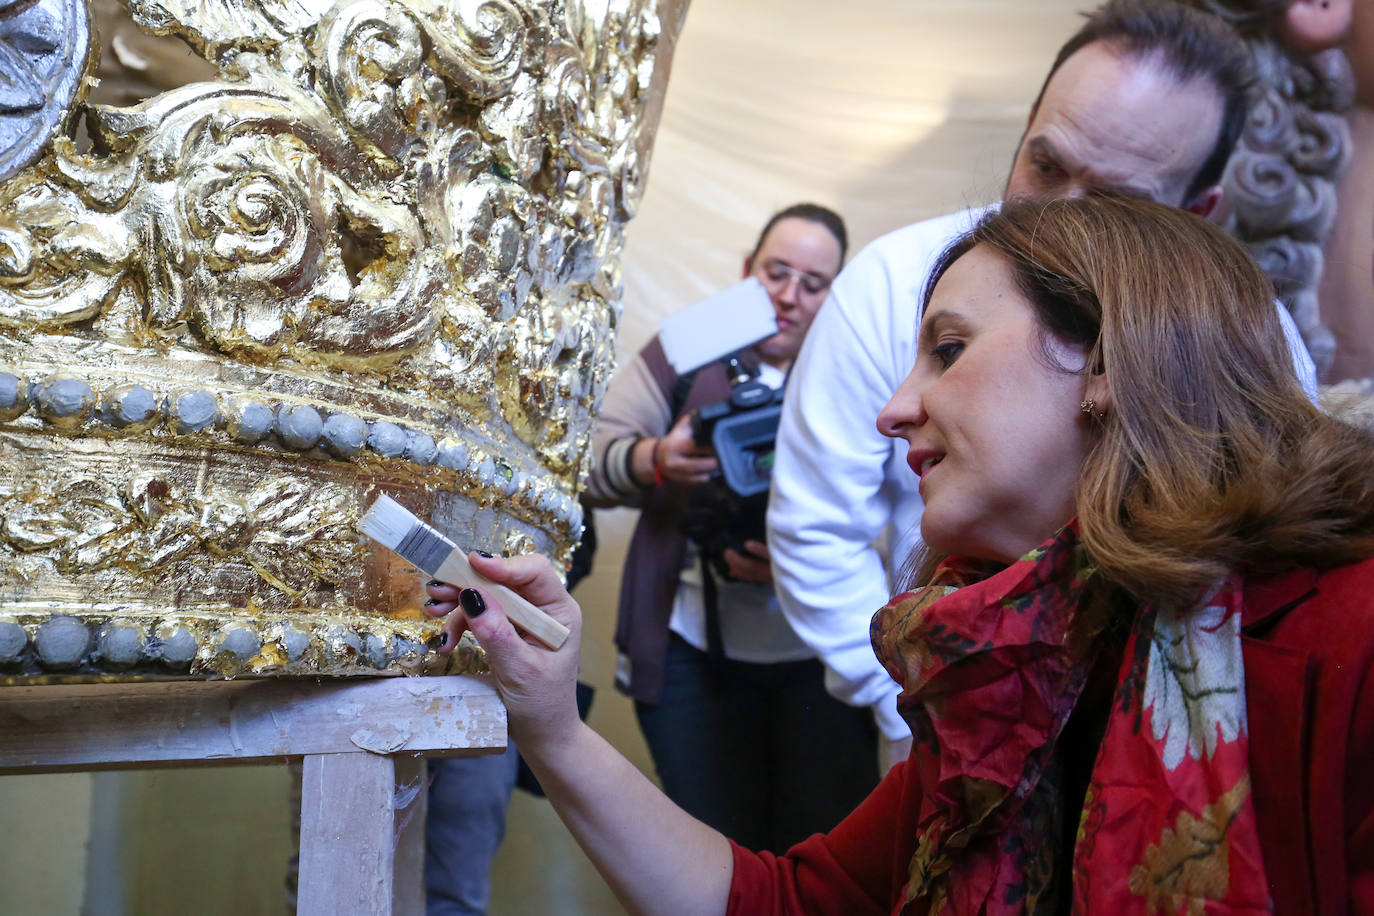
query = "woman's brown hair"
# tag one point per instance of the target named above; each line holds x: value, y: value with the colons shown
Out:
x: 1211, y: 458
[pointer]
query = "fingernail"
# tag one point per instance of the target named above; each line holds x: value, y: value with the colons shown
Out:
x: 434, y: 583
x: 443, y: 639
x: 436, y: 641
x: 472, y: 602
x: 483, y: 553
x: 431, y: 602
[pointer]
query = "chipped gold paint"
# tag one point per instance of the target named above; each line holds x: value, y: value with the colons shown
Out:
x: 402, y: 212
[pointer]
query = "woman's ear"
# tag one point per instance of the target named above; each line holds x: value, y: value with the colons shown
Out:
x: 1095, y: 390
x: 1310, y: 26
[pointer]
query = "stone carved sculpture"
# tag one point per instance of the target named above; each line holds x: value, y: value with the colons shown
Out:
x: 378, y: 252
x: 1281, y: 181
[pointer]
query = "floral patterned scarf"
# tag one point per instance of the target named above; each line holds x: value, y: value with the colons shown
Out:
x: 990, y: 674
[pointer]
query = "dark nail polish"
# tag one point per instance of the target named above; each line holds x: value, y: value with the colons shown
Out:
x: 443, y: 639
x: 434, y: 583
x: 431, y: 602
x: 436, y: 641
x: 472, y: 602
x: 483, y: 553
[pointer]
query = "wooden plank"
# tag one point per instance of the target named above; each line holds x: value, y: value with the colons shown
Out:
x: 53, y: 728
x: 348, y: 831
x: 412, y: 805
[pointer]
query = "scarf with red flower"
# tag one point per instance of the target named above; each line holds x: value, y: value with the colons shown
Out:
x: 990, y: 674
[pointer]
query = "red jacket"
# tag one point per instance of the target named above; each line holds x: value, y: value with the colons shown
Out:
x: 1308, y: 644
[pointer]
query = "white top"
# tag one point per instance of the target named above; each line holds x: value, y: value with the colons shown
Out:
x: 752, y: 626
x: 839, y: 485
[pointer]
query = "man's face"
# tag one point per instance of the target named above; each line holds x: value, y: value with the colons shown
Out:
x: 1113, y: 122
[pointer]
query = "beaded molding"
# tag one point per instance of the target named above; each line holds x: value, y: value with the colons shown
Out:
x: 181, y: 644
x: 67, y: 403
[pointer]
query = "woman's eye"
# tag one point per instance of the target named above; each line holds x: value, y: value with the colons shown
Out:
x: 946, y: 352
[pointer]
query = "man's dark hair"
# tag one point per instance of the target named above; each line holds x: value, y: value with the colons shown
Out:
x: 813, y: 212
x: 1191, y: 44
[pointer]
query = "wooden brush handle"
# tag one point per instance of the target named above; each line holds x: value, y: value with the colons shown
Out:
x: 456, y: 570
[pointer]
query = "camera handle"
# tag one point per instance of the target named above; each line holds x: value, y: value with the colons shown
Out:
x: 737, y: 372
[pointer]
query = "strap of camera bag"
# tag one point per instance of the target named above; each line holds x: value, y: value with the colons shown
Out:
x: 710, y: 590
x: 710, y: 600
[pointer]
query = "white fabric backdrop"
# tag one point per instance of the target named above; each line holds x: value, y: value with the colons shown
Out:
x: 889, y: 111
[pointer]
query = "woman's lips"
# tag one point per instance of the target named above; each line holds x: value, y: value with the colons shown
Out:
x: 922, y: 461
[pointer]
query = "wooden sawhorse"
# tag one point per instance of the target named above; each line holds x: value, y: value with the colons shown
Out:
x: 362, y: 743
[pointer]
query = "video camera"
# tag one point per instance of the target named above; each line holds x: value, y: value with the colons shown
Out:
x: 730, y: 508
x: 742, y: 429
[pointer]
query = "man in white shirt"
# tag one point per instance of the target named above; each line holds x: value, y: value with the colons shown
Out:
x: 1147, y: 99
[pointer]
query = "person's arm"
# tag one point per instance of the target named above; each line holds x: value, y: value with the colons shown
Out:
x: 636, y: 443
x: 831, y: 497
x: 655, y: 857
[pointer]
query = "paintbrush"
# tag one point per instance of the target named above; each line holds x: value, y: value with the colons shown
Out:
x: 394, y: 527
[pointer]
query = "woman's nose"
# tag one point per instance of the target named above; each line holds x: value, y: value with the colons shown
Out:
x: 789, y: 292
x: 904, y: 409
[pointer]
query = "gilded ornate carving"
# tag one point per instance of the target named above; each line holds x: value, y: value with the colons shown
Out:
x: 377, y: 251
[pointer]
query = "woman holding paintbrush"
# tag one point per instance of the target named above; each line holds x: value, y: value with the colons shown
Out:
x: 1137, y: 665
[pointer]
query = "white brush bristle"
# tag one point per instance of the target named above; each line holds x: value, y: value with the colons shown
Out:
x: 387, y: 522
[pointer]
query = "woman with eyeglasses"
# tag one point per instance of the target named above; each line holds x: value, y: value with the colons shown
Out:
x: 1138, y: 660
x: 731, y: 703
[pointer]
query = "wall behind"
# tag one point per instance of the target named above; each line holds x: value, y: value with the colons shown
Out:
x: 890, y: 111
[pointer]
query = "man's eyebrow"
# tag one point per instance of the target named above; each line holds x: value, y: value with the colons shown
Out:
x: 1043, y: 147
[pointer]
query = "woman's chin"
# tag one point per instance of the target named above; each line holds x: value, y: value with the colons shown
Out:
x: 936, y: 536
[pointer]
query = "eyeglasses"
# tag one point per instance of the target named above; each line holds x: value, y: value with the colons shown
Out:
x: 778, y: 273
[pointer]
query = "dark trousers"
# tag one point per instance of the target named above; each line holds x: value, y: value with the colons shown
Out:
x: 760, y: 752
x: 467, y: 821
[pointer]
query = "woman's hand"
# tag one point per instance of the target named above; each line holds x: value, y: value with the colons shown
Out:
x: 537, y: 685
x: 679, y: 459
x: 750, y: 564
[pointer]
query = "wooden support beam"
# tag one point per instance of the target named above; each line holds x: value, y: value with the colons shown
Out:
x: 55, y: 728
x: 348, y: 835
